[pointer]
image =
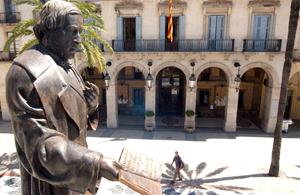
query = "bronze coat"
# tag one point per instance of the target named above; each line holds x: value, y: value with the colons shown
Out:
x: 50, y: 120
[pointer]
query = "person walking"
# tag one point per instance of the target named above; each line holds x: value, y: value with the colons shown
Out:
x: 178, y: 166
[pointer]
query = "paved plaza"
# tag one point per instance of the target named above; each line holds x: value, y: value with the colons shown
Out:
x: 215, y: 162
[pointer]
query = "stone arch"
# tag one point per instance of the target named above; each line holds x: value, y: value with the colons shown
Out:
x: 228, y: 72
x: 157, y: 69
x: 122, y: 65
x: 271, y: 72
x: 294, y: 73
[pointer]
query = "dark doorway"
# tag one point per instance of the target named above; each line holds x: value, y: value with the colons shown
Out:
x: 241, y: 99
x: 288, y: 105
x: 203, y: 98
x: 170, y: 92
x: 172, y: 46
x: 129, y: 34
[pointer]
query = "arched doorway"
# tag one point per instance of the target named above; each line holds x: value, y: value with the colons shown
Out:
x: 292, y: 111
x: 254, y: 97
x: 130, y: 92
x: 92, y: 75
x: 212, y: 89
x: 170, y: 96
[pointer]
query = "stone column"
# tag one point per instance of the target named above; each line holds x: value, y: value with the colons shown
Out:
x: 190, y: 104
x: 4, y: 108
x: 112, y: 107
x: 231, y: 109
x: 150, y: 105
x: 271, y: 104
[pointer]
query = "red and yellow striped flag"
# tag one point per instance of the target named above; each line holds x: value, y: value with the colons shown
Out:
x: 170, y: 23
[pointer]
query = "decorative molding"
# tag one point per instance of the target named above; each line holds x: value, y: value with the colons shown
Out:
x: 264, y: 3
x: 178, y: 7
x: 202, y: 56
x: 217, y: 6
x: 129, y: 8
x: 227, y: 56
x: 217, y: 3
x: 271, y: 56
x: 247, y: 56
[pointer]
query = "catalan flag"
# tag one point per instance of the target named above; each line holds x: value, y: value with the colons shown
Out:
x: 170, y: 23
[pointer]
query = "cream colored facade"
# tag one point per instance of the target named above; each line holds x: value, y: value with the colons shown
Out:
x: 195, y: 14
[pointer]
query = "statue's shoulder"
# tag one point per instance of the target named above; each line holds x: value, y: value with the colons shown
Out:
x: 34, y: 61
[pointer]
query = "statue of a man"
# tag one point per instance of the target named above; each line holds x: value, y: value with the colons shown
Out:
x: 51, y: 109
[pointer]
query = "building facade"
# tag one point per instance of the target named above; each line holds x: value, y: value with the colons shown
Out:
x: 234, y: 49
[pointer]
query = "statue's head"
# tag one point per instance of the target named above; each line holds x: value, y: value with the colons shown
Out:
x: 59, y: 28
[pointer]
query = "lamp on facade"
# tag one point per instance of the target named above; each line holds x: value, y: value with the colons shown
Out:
x: 149, y: 78
x: 106, y: 76
x: 192, y: 79
x: 237, y: 78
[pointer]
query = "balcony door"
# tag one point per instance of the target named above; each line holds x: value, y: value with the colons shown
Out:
x: 10, y: 11
x: 215, y: 32
x: 261, y: 31
x: 129, y: 33
x: 172, y: 46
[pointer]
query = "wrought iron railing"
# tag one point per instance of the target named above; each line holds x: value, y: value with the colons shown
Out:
x: 10, y: 17
x: 262, y: 45
x: 185, y: 45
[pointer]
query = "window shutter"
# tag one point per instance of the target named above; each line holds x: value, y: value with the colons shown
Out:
x: 220, y: 27
x: 119, y: 42
x: 162, y: 31
x: 181, y: 32
x: 212, y: 27
x: 138, y: 32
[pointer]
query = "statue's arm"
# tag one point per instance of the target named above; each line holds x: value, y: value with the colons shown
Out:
x: 47, y: 154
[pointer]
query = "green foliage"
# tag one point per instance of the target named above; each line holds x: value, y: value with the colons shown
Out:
x: 90, y: 35
x: 190, y: 113
x: 149, y: 113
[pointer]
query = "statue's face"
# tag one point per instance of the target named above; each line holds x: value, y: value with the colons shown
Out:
x: 64, y: 41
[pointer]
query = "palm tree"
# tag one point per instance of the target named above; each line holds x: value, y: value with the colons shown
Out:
x: 91, y: 38
x: 294, y: 15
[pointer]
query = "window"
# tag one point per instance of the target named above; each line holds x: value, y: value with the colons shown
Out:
x: 261, y: 31
x: 138, y: 75
x: 13, y: 47
x: 261, y: 27
x: 216, y: 27
x: 10, y: 11
x: 215, y: 31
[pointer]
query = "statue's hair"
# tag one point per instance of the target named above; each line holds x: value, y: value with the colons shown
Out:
x: 53, y: 16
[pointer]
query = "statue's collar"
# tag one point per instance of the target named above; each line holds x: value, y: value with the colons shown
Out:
x: 63, y: 63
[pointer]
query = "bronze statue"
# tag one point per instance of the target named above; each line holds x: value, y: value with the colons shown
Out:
x: 51, y: 109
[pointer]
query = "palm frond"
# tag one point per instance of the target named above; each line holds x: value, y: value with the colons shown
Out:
x: 90, y: 33
x: 94, y: 55
x: 20, y: 30
x: 28, y: 45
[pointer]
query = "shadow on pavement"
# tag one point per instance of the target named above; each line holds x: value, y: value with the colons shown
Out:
x: 195, y: 179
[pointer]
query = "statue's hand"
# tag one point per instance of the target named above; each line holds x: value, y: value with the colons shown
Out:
x: 91, y: 94
x: 110, y: 169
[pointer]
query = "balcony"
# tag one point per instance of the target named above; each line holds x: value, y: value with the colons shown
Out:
x: 265, y: 45
x: 9, y: 17
x: 186, y: 45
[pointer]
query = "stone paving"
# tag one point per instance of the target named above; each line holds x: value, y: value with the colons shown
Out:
x: 215, y: 162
